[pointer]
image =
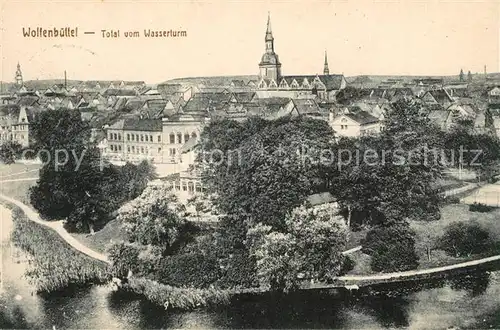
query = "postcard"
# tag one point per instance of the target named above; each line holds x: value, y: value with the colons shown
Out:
x: 250, y: 164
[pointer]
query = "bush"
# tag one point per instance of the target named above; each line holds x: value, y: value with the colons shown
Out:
x: 452, y: 200
x: 464, y: 239
x: 9, y: 151
x: 191, y: 269
x: 178, y: 298
x: 479, y: 207
x: 347, y: 265
x: 392, y: 248
x: 239, y: 271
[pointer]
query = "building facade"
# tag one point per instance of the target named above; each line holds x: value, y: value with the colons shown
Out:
x: 355, y: 124
x: 134, y: 140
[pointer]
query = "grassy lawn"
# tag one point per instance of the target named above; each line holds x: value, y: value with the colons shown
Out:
x: 428, y: 233
x: 450, y: 183
x: 11, y: 171
x: 112, y: 232
x: 17, y: 189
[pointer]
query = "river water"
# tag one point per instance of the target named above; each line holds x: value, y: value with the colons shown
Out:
x: 472, y: 302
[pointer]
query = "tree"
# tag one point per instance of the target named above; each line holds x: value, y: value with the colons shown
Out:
x: 396, y: 183
x: 311, y: 247
x: 134, y: 178
x: 200, y: 204
x: 9, y: 151
x: 152, y: 219
x: 75, y: 182
x: 464, y: 239
x: 348, y: 95
x: 479, y: 152
x: 265, y: 175
x: 392, y: 248
x: 70, y: 183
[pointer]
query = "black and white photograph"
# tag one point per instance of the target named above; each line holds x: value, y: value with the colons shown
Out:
x: 213, y: 164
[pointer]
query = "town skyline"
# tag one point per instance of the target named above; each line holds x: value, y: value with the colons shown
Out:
x: 432, y: 38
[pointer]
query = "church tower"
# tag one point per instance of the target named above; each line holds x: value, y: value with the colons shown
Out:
x: 19, y: 76
x: 326, y: 71
x: 270, y: 66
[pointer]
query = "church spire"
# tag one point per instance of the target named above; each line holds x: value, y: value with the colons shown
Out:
x: 269, y: 32
x: 270, y: 66
x: 19, y: 75
x: 326, y: 71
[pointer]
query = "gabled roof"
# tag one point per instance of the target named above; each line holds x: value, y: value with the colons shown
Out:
x: 440, y: 95
x: 154, y: 108
x: 120, y: 103
x: 361, y: 117
x: 130, y: 124
x: 133, y: 104
x: 331, y: 82
x: 272, y: 101
x: 243, y: 97
x: 439, y: 117
x: 205, y: 102
x: 119, y: 92
x: 27, y: 101
x: 238, y: 83
x: 306, y: 106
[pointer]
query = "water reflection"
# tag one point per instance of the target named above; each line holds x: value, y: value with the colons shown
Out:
x: 466, y: 301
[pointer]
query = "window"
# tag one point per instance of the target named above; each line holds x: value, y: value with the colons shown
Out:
x: 119, y: 148
x: 193, y: 135
x: 184, y: 186
x: 172, y: 138
x: 133, y: 149
x: 198, y: 188
x: 137, y: 137
x: 23, y: 120
x: 159, y: 138
x: 142, y: 150
x: 191, y: 187
x: 132, y: 137
x: 343, y: 126
x: 150, y: 138
x: 159, y: 150
x: 177, y: 185
x: 115, y: 136
x: 172, y: 152
x: 128, y: 149
x: 142, y: 138
x: 186, y: 138
x: 119, y: 137
x: 179, y: 138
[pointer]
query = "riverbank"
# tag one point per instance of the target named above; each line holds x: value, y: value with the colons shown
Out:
x: 53, y: 264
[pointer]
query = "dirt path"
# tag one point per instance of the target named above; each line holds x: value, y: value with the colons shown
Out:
x: 55, y: 225
x: 411, y: 273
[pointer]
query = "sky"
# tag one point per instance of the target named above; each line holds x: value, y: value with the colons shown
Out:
x: 383, y: 37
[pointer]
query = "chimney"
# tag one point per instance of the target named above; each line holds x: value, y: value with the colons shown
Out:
x: 65, y: 81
